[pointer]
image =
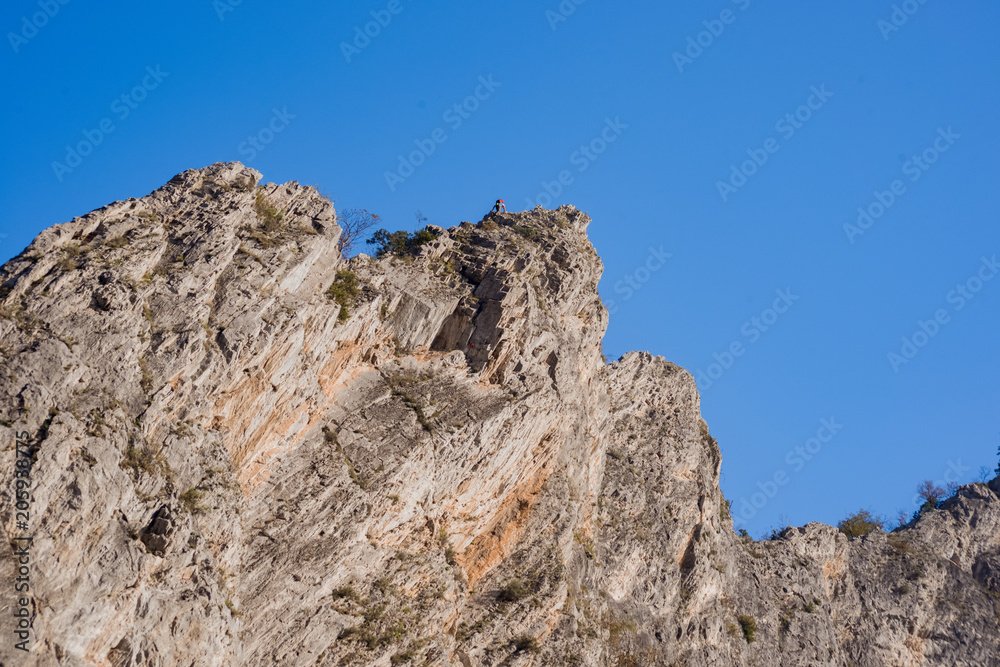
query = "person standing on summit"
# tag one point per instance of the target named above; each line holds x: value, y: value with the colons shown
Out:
x: 499, y: 207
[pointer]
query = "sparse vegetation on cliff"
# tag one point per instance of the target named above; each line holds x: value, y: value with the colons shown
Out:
x: 267, y: 213
x: 344, y: 291
x: 399, y: 243
x: 860, y: 524
x: 749, y: 627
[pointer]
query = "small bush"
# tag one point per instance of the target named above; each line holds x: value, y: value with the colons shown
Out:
x: 930, y: 492
x: 932, y: 495
x: 146, y: 379
x: 232, y: 609
x: 399, y: 243
x: 899, y: 543
x: 776, y: 534
x: 267, y: 213
x: 249, y: 253
x: 524, y: 643
x: 139, y: 460
x: 414, y: 405
x: 513, y: 592
x: 71, y: 258
x: 619, y: 630
x: 421, y: 237
x: 244, y: 184
x: 384, y: 585
x: 861, y: 523
x: 351, y: 472
x: 403, y: 657
x: 749, y: 626
x: 786, y: 621
x: 191, y: 499
x: 347, y: 592
x: 529, y: 233
x: 389, y: 243
x: 344, y: 291
x: 588, y: 544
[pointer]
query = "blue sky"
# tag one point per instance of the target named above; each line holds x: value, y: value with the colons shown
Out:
x: 642, y: 138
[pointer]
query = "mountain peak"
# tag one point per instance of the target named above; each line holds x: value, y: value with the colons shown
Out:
x: 417, y: 456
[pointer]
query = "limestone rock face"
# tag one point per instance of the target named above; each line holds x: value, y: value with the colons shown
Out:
x: 231, y: 468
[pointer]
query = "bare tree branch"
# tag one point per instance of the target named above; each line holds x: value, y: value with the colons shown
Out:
x: 353, y: 224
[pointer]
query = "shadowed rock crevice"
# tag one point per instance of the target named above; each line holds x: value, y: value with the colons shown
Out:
x: 157, y: 534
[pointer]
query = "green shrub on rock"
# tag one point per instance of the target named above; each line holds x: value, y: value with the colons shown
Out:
x: 860, y: 523
x: 344, y: 291
x: 399, y: 243
x: 749, y: 626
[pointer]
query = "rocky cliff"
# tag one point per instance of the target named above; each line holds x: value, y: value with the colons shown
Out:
x: 225, y: 462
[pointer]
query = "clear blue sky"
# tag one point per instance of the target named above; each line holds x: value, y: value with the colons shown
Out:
x: 678, y: 127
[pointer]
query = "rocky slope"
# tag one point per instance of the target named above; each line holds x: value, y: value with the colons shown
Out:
x: 228, y: 470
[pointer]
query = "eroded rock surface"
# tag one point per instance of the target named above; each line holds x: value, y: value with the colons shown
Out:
x: 229, y: 471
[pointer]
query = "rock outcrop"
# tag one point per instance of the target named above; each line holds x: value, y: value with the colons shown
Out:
x: 230, y: 467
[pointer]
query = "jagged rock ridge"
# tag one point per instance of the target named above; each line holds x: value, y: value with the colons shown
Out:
x: 228, y: 472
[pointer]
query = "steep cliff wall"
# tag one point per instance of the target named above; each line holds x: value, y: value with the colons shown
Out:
x: 228, y: 471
